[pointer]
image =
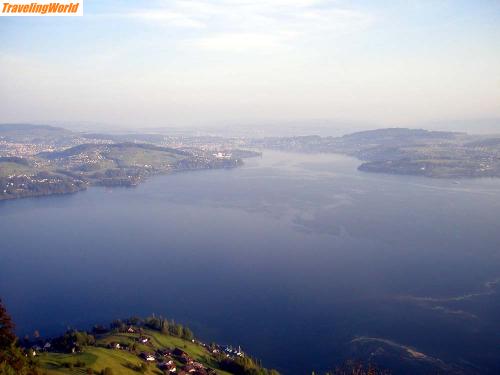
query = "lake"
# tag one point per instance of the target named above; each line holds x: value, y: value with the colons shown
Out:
x: 291, y: 256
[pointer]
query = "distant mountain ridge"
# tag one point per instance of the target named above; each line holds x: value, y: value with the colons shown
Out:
x: 404, y: 151
x: 400, y: 134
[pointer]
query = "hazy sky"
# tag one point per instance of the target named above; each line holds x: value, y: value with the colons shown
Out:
x: 182, y: 62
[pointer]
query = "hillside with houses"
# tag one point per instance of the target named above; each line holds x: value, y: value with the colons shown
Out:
x: 149, y: 346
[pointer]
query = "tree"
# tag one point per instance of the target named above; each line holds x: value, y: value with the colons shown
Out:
x: 154, y: 322
x: 175, y: 329
x: 7, y: 336
x: 187, y: 334
x: 164, y: 327
x: 117, y: 325
x: 12, y: 359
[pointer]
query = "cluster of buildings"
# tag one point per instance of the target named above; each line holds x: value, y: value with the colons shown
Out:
x: 22, y: 149
x: 177, y: 361
x: 231, y: 352
x: 80, y: 161
x: 40, y: 347
x: 206, y: 143
x: 223, y: 155
x: 28, y: 148
x: 15, y: 186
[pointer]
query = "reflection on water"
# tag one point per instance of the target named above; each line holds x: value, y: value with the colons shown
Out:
x: 292, y: 256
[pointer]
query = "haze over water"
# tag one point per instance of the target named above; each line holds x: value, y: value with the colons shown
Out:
x: 291, y: 256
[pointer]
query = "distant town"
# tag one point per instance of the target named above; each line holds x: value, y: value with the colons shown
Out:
x: 44, y: 160
x: 37, y: 160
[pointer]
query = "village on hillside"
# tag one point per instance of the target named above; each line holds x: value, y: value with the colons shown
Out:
x: 150, y: 345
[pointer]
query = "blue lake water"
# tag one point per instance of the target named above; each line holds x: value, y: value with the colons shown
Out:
x: 291, y: 256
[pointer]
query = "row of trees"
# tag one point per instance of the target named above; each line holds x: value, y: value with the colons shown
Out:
x: 169, y: 327
x: 163, y: 325
x: 73, y: 339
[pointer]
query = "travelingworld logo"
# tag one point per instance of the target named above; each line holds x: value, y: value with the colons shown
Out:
x: 42, y: 8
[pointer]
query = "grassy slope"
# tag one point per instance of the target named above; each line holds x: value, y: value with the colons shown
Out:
x: 139, y: 157
x: 9, y: 168
x: 119, y: 156
x: 121, y: 361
